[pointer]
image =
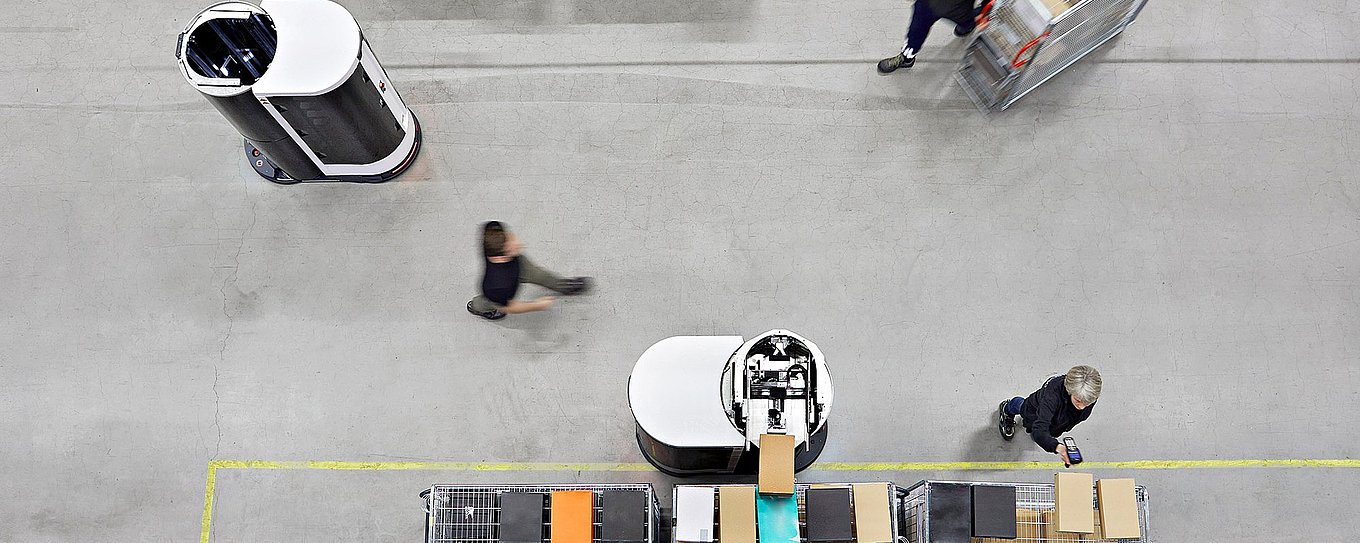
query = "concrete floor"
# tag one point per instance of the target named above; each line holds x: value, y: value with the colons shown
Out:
x: 1180, y: 210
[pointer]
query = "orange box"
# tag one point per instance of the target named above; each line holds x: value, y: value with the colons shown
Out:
x: 573, y: 516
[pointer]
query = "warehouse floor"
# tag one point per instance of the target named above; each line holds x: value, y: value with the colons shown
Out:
x: 1180, y: 210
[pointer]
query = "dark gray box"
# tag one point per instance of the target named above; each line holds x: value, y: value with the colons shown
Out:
x: 994, y: 511
x: 829, y: 519
x: 521, y: 517
x: 951, y: 512
x: 625, y: 517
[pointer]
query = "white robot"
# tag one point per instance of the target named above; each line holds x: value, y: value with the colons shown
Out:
x: 702, y: 402
x: 298, y: 80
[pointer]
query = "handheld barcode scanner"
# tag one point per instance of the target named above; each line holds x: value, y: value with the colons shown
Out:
x: 1073, y: 454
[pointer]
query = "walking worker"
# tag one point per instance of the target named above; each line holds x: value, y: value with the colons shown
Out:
x: 1054, y: 409
x: 506, y: 268
x: 924, y: 14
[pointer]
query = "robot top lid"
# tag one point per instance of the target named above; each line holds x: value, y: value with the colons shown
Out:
x: 318, y: 48
x: 673, y: 392
x: 280, y: 48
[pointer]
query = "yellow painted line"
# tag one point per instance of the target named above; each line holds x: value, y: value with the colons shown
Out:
x: 1052, y: 465
x: 208, y: 492
x: 340, y: 465
x: 426, y: 466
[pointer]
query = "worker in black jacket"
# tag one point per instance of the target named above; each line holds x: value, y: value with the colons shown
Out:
x: 1054, y: 409
x: 924, y: 14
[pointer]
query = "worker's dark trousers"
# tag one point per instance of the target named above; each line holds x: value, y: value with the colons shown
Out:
x: 1014, y: 405
x: 528, y: 273
x: 922, y: 18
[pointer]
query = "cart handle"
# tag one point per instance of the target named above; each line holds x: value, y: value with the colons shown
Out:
x: 1016, y: 62
x: 986, y: 13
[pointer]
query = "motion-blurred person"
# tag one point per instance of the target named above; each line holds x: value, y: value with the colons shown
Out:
x: 924, y: 14
x: 1054, y: 409
x: 506, y: 268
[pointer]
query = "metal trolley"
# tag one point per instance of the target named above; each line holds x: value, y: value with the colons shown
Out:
x: 1034, y: 497
x: 1021, y: 44
x: 471, y: 513
x: 899, y: 499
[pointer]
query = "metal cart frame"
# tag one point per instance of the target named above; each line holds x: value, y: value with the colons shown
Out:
x: 897, y: 494
x: 1035, y: 496
x: 471, y: 513
x: 1009, y: 58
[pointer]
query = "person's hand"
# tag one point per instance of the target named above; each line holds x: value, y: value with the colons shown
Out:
x: 546, y: 301
x: 1062, y: 453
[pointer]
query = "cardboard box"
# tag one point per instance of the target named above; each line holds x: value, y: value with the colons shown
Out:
x: 1052, y: 535
x: 694, y: 514
x: 737, y: 514
x: 1029, y: 526
x: 1118, y: 509
x: 1074, y: 510
x: 776, y: 464
x: 873, y: 513
x: 573, y: 516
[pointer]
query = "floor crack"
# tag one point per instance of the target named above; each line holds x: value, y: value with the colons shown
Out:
x: 229, y: 280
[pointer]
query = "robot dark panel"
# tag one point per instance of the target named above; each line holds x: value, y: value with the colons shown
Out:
x: 349, y: 125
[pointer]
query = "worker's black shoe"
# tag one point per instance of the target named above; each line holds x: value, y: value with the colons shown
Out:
x: 900, y: 60
x: 576, y: 285
x: 961, y: 32
x: 1007, y: 423
x: 493, y: 315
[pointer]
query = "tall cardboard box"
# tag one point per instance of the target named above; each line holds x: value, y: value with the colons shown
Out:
x: 737, y: 514
x: 873, y: 513
x: 776, y: 464
x: 1118, y: 509
x: 1074, y: 510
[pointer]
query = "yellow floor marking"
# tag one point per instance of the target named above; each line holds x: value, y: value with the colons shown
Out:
x: 341, y: 465
x: 208, y: 492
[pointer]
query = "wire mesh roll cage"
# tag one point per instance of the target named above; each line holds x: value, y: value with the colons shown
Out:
x: 915, y: 521
x: 897, y: 500
x: 471, y: 513
x: 1015, y: 50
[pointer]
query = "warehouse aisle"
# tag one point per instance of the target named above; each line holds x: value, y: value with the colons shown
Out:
x: 1178, y: 210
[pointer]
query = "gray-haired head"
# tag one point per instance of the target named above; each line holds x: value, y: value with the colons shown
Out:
x: 1083, y: 383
